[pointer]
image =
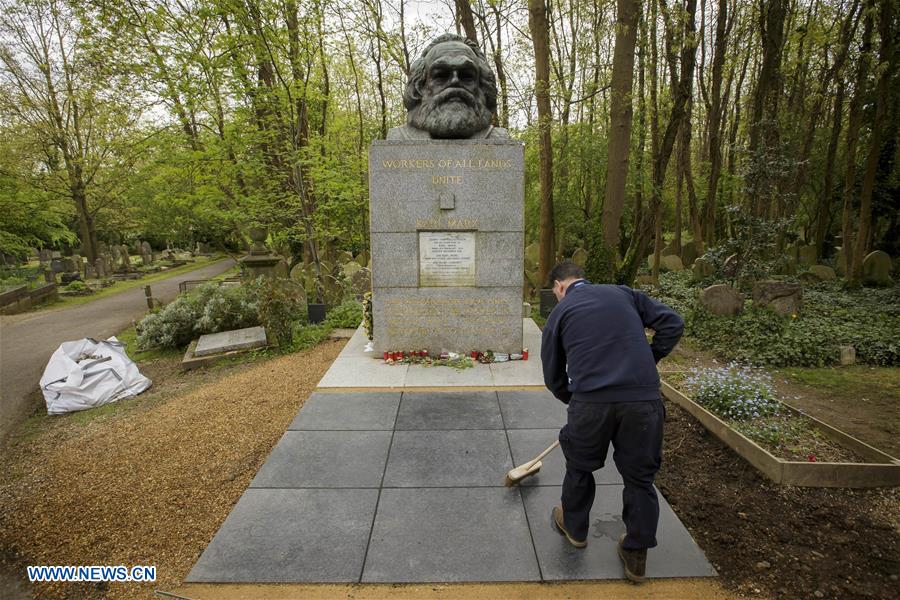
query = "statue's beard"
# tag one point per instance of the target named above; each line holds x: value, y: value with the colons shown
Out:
x: 453, y: 113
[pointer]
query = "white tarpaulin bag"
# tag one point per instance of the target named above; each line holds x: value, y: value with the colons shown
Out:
x: 87, y: 373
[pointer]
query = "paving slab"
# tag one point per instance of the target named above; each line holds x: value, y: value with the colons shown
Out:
x: 528, y: 443
x: 419, y: 376
x: 448, y: 459
x: 676, y: 556
x: 449, y: 410
x: 226, y: 341
x: 517, y: 372
x: 333, y: 459
x: 374, y: 411
x: 291, y: 536
x: 363, y: 371
x: 531, y: 410
x: 455, y: 534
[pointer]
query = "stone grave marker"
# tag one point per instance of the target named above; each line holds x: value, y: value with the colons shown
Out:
x: 782, y: 297
x: 227, y: 341
x: 44, y: 257
x: 807, y: 255
x: 702, y: 269
x: 721, y: 299
x: 361, y: 282
x: 579, y: 257
x: 823, y: 272
x: 876, y: 269
x: 688, y: 253
x: 100, y: 267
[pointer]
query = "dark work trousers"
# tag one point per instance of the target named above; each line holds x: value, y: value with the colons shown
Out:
x: 636, y: 432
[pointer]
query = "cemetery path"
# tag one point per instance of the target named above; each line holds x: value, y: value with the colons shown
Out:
x: 27, y: 341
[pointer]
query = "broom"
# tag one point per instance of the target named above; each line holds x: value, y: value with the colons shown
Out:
x: 528, y: 469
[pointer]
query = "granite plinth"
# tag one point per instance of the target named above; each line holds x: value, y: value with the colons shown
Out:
x: 446, y: 224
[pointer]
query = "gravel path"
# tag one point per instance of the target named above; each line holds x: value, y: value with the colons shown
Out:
x: 27, y: 341
x: 151, y: 483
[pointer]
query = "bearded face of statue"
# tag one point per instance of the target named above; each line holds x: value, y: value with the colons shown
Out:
x: 453, y: 103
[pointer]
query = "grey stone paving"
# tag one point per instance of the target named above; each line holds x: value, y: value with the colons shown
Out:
x: 391, y: 487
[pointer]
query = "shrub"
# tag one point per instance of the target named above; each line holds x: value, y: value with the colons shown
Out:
x: 733, y: 392
x: 832, y: 316
x: 208, y: 309
x: 280, y: 308
x: 347, y: 315
x: 77, y: 288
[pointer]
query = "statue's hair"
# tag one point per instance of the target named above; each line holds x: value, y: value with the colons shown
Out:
x: 488, y: 83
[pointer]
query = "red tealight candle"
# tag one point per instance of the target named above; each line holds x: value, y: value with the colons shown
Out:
x: 387, y: 355
x: 525, y: 354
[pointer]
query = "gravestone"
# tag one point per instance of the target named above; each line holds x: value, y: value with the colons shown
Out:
x: 532, y: 256
x: 116, y: 253
x: 228, y: 341
x: 876, y: 269
x: 823, y: 272
x: 689, y: 253
x: 126, y: 259
x: 447, y: 214
x: 579, y: 257
x: 782, y: 297
x: 146, y: 248
x: 110, y: 264
x: 78, y: 263
x: 45, y: 256
x: 350, y: 269
x: 722, y: 300
x: 100, y: 267
x: 102, y: 248
x: 88, y: 271
x: 362, y: 259
x: 670, y: 249
x: 848, y: 355
x: 57, y: 265
x: 361, y: 282
x: 702, y: 269
x: 671, y: 262
x: 807, y: 255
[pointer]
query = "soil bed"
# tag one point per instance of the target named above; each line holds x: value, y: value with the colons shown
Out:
x: 786, y: 542
x: 786, y: 436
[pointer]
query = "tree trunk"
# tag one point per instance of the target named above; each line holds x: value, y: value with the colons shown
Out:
x: 621, y: 113
x: 537, y: 23
x: 464, y: 14
x: 886, y: 68
x: 764, y: 127
x: 853, y: 126
x: 715, y: 119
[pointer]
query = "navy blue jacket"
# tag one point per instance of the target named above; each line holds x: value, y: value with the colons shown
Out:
x: 594, y: 346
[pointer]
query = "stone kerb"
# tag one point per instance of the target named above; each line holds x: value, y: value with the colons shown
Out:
x: 447, y: 237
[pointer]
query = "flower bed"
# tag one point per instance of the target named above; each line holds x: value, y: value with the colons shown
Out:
x: 738, y: 405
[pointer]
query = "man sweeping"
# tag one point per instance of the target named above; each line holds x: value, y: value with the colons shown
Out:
x: 597, y: 360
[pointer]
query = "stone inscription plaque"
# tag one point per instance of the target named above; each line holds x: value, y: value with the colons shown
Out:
x: 446, y: 258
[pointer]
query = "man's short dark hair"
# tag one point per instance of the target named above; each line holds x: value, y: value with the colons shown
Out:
x: 565, y: 270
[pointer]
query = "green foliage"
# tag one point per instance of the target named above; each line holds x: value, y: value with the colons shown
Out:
x: 78, y: 288
x: 280, y: 306
x: 208, y: 309
x: 867, y: 319
x: 752, y: 246
x: 347, y: 315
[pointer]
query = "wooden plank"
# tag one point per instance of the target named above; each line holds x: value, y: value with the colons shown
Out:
x: 746, y: 448
x: 883, y: 473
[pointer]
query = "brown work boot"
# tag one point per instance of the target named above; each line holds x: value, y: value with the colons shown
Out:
x: 634, y: 561
x: 556, y: 517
